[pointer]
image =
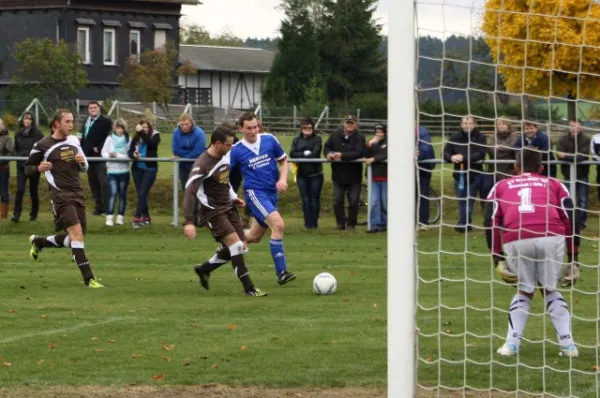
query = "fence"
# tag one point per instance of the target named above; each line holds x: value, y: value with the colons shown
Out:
x: 176, y: 162
x: 166, y: 118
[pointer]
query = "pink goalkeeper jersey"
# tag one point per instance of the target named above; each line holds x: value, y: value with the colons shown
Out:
x: 528, y: 206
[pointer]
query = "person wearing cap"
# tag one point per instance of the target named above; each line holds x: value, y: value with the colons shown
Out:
x: 376, y: 157
x: 341, y: 148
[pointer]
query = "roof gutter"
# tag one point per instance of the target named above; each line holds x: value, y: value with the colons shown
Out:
x: 58, y: 20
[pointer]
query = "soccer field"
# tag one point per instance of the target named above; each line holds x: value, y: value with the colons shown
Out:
x: 154, y: 325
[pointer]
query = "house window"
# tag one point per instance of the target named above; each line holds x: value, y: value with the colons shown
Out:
x: 160, y: 38
x: 83, y: 44
x: 109, y: 47
x: 135, y: 43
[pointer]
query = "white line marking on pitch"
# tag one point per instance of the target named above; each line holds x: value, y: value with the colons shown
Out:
x: 82, y: 325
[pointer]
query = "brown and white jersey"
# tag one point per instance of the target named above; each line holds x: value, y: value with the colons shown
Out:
x: 63, y: 177
x: 209, y: 182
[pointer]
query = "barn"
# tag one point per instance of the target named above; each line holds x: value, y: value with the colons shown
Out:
x: 223, y: 77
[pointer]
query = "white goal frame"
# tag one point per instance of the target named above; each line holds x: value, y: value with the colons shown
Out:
x: 401, y: 198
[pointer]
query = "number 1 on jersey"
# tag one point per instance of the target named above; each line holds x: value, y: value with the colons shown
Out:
x: 525, y: 206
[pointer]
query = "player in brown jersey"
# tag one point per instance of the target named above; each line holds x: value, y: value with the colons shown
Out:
x: 209, y: 182
x: 60, y: 157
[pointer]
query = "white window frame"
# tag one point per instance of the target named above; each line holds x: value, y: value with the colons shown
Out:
x: 164, y: 32
x: 139, y: 42
x: 87, y: 58
x: 113, y: 54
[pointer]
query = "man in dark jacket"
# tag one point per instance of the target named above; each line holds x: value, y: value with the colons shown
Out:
x: 93, y: 134
x: 534, y: 138
x: 465, y: 150
x: 347, y: 177
x: 574, y: 147
x: 25, y: 138
x: 376, y: 157
x: 309, y: 176
x: 425, y: 151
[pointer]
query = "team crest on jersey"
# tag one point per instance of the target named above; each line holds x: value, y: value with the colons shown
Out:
x: 67, y: 154
x: 224, y: 177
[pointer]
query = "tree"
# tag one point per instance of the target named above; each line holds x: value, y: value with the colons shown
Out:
x: 48, y: 70
x: 296, y: 64
x: 349, y: 49
x: 546, y: 47
x: 196, y: 34
x: 152, y: 77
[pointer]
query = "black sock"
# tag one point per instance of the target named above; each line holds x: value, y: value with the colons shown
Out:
x: 239, y: 266
x: 82, y: 262
x: 61, y: 240
x: 208, y: 267
x: 224, y: 254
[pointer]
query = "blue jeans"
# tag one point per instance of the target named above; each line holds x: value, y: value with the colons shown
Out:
x: 424, y: 187
x: 583, y: 193
x: 4, y: 178
x: 118, y: 184
x: 310, y: 192
x: 378, y: 204
x: 143, y: 180
x: 466, y: 200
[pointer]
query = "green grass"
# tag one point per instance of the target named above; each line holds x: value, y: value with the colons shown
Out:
x: 55, y: 332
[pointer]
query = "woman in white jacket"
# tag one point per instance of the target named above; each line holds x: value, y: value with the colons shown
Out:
x: 116, y: 146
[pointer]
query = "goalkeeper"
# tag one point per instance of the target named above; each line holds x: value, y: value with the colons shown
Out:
x: 530, y: 216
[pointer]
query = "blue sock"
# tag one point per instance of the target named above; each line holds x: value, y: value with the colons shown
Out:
x: 278, y: 255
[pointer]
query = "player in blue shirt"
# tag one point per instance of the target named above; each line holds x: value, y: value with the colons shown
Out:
x: 258, y: 156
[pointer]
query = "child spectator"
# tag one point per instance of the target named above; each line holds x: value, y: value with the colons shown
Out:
x: 116, y: 146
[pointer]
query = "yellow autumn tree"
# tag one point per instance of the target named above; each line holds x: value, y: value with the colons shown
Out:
x: 546, y: 47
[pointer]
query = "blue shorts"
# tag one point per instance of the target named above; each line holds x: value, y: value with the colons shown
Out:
x: 261, y: 204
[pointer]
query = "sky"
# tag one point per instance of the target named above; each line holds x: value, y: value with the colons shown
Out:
x: 250, y: 18
x: 261, y: 18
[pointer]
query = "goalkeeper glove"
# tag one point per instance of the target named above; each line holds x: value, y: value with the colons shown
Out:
x: 505, y: 273
x: 571, y: 273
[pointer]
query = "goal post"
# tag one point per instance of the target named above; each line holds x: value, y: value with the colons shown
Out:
x: 401, y: 209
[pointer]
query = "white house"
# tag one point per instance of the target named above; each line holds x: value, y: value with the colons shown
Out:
x: 224, y: 77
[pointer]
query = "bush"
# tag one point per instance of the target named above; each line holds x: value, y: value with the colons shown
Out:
x: 10, y: 121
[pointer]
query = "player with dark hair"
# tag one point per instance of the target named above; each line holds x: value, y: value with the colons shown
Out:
x: 532, y: 218
x: 209, y: 183
x: 258, y: 156
x: 60, y: 157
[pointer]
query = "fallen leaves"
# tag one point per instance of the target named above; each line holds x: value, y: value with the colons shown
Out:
x: 94, y: 339
x: 52, y: 346
x: 167, y: 359
x: 41, y: 361
x: 12, y: 311
x: 7, y: 364
x: 215, y: 366
x: 111, y: 341
x: 44, y: 316
x: 243, y: 348
x: 596, y: 368
x: 232, y: 327
x: 166, y: 347
x: 197, y: 325
x: 158, y: 377
x: 137, y: 356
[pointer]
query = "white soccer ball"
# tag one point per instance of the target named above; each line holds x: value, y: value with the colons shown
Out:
x: 324, y: 284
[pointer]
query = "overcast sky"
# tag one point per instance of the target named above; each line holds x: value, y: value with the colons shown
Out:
x: 261, y: 18
x: 249, y: 18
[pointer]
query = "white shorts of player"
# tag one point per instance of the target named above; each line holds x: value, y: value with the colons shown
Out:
x: 537, y: 261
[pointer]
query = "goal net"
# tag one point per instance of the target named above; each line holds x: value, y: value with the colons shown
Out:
x: 536, y: 65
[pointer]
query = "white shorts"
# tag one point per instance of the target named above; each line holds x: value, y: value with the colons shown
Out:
x: 537, y: 261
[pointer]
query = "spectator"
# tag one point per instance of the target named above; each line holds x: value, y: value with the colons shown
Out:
x: 144, y: 145
x: 189, y: 142
x: 574, y: 147
x: 6, y: 149
x: 376, y: 157
x: 465, y: 150
x: 116, y: 146
x: 538, y: 140
x: 595, y: 149
x: 25, y: 138
x: 425, y: 151
x: 342, y: 146
x: 309, y: 176
x: 503, y: 144
x: 93, y: 134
